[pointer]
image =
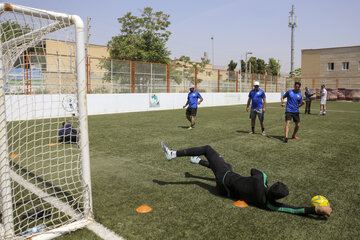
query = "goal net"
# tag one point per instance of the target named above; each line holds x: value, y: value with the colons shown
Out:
x: 45, y: 188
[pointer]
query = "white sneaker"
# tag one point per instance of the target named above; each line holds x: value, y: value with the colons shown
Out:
x: 195, y: 159
x: 168, y: 152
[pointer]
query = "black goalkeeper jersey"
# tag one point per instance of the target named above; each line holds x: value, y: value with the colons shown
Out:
x: 253, y: 190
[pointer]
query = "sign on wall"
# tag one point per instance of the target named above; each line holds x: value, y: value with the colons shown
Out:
x: 154, y: 100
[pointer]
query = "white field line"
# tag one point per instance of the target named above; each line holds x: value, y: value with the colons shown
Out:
x: 97, y: 228
x: 103, y: 232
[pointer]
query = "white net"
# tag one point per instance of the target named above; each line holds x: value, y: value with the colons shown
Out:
x: 39, y: 92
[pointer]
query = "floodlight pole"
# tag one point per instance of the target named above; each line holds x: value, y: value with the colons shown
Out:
x: 246, y: 54
x: 292, y: 25
x: 212, y: 47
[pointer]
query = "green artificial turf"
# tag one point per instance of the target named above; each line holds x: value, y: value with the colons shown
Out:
x: 127, y: 165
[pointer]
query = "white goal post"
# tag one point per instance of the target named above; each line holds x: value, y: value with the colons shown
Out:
x: 45, y: 187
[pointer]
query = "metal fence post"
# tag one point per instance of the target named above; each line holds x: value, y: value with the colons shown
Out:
x: 237, y: 82
x: 196, y: 78
x: 252, y: 80
x: 218, y: 80
x: 168, y: 78
x: 132, y: 76
x: 265, y: 82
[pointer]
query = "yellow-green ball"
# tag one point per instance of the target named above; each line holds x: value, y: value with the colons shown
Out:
x: 318, y: 201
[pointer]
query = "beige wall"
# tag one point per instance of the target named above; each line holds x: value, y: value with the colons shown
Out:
x: 314, y: 66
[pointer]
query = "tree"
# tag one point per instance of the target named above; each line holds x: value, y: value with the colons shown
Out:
x: 142, y: 38
x: 273, y: 67
x: 243, y: 66
x: 12, y: 30
x: 296, y: 74
x: 232, y: 65
x: 258, y: 65
x: 187, y: 72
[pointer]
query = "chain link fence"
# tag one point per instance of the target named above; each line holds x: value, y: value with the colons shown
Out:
x: 114, y: 76
x: 120, y: 76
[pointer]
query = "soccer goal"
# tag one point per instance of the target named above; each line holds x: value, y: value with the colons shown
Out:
x: 45, y: 185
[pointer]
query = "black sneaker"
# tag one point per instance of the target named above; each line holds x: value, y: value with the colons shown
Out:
x: 285, y: 140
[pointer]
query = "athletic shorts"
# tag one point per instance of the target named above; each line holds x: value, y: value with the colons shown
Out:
x: 323, y: 101
x: 291, y: 115
x: 191, y: 111
x: 257, y: 112
x: 69, y: 139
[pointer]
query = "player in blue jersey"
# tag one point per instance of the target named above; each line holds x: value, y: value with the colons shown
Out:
x: 294, y: 101
x: 194, y: 98
x: 308, y: 100
x: 258, y: 104
x: 253, y: 189
x: 68, y: 134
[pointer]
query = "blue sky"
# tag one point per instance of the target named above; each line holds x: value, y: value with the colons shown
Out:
x: 238, y: 26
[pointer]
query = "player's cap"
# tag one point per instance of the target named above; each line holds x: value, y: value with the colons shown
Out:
x: 191, y: 86
x: 256, y: 83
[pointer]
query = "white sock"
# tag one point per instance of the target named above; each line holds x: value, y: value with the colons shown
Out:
x: 173, y: 154
x: 195, y: 159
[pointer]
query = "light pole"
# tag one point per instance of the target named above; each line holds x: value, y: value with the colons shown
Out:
x: 292, y: 25
x: 246, y: 54
x: 212, y: 47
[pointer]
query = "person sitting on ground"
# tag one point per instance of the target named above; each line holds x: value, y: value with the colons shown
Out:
x: 68, y: 134
x: 254, y: 190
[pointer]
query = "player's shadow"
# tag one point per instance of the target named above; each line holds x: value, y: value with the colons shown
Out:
x: 214, y: 191
x: 183, y: 126
x: 280, y: 138
x: 241, y: 131
x: 189, y: 175
x: 210, y: 188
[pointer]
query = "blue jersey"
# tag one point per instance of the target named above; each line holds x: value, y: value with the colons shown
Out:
x: 67, y: 130
x: 193, y: 99
x: 308, y: 96
x: 293, y: 101
x: 257, y: 98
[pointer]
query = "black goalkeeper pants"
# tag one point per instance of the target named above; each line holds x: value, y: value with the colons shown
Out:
x: 68, y: 139
x: 215, y: 162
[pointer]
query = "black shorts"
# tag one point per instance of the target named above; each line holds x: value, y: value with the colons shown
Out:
x: 291, y: 115
x: 191, y: 111
x: 68, y: 139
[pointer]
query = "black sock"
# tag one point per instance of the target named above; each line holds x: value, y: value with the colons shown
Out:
x: 253, y: 129
x: 262, y: 129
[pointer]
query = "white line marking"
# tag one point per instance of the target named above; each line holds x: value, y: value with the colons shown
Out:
x: 103, y: 232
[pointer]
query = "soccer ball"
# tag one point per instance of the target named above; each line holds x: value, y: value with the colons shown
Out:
x: 318, y: 201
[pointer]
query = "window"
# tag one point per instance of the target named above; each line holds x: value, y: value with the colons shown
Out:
x: 345, y: 65
x: 331, y: 66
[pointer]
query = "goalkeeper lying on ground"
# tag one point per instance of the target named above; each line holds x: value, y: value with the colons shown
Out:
x: 253, y: 190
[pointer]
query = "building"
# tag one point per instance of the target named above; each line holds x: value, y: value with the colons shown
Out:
x: 337, y: 67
